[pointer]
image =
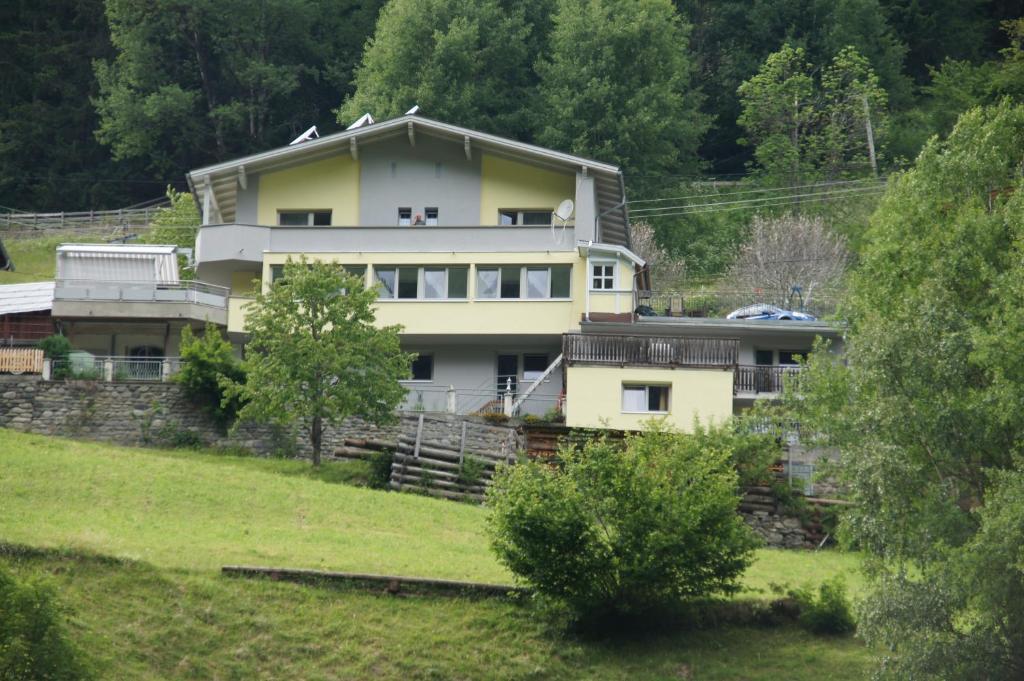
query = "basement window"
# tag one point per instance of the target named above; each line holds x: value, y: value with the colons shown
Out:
x: 645, y: 399
x: 304, y: 218
x: 534, y: 366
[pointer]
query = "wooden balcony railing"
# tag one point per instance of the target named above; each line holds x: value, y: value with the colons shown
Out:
x: 647, y: 351
x: 762, y: 379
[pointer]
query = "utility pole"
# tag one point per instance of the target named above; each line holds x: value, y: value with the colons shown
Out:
x: 870, y: 134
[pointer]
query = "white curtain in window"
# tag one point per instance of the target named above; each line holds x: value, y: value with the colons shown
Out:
x: 487, y: 283
x: 433, y: 283
x: 537, y: 283
x: 634, y: 398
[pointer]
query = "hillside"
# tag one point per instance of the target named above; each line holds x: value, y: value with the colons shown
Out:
x: 133, y: 538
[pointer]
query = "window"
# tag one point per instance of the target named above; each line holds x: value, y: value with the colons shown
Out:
x: 515, y: 216
x: 423, y: 368
x: 645, y: 398
x: 276, y: 272
x: 427, y: 283
x: 534, y: 366
x: 602, y: 276
x: 538, y: 281
x: 791, y: 356
x: 431, y: 217
x: 404, y: 217
x: 304, y: 218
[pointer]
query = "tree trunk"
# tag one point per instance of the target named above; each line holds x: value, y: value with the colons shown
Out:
x: 316, y: 433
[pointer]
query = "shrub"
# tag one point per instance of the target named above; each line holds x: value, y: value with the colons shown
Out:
x: 380, y: 469
x: 494, y: 417
x: 58, y: 349
x: 471, y: 471
x: 32, y: 640
x: 619, y: 530
x: 208, y: 363
x: 829, y: 612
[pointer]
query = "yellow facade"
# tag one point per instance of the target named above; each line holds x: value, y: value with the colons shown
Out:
x: 330, y: 184
x: 513, y: 185
x: 243, y: 282
x: 595, y: 396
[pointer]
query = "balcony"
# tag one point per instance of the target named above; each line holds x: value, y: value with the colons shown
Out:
x: 642, y: 351
x: 719, y: 303
x: 752, y: 381
x: 140, y: 300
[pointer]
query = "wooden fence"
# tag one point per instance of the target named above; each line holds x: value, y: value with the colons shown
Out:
x: 21, y: 361
x: 649, y: 351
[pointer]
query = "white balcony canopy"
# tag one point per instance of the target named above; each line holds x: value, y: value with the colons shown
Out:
x: 118, y: 262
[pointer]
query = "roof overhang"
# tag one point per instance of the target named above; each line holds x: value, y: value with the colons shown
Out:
x: 588, y: 247
x: 225, y: 178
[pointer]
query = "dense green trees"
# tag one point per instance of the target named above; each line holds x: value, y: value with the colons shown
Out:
x: 926, y: 408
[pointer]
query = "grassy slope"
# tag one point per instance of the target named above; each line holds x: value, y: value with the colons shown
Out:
x: 36, y: 259
x: 178, y: 516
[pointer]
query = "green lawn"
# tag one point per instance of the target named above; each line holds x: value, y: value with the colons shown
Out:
x: 36, y: 259
x: 172, y: 518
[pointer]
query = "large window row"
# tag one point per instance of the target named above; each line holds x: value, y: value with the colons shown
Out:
x: 438, y: 282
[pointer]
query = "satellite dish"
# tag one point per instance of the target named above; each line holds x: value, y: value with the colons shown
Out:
x: 564, y: 210
x: 413, y: 111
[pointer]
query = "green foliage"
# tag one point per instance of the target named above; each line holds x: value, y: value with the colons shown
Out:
x: 380, y: 469
x: 464, y: 62
x: 33, y: 643
x: 829, y: 611
x: 194, y: 82
x: 804, y: 129
x: 58, y: 349
x: 623, y: 531
x: 471, y: 471
x: 176, y: 224
x: 314, y: 353
x: 616, y: 86
x: 208, y: 367
x: 925, y: 409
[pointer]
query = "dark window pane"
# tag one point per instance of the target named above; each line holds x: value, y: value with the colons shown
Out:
x: 763, y: 357
x: 508, y: 217
x: 560, y: 275
x: 322, y: 218
x: 534, y: 366
x: 657, y: 398
x: 276, y: 273
x: 790, y: 357
x: 510, y: 282
x: 293, y: 218
x: 457, y: 281
x: 536, y: 217
x: 408, y: 279
x: 423, y: 368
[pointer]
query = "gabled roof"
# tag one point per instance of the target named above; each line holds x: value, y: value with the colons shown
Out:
x: 36, y: 296
x: 225, y: 177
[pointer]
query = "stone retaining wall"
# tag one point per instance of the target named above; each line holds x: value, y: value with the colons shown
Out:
x: 145, y: 413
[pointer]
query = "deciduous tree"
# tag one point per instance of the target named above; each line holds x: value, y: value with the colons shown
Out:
x: 315, y: 354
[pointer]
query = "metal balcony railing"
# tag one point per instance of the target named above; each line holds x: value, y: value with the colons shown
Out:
x: 622, y: 350
x: 196, y: 292
x: 719, y: 303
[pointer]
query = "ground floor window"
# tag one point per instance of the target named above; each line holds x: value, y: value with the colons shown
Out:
x: 645, y: 398
x: 534, y: 366
x: 423, y: 368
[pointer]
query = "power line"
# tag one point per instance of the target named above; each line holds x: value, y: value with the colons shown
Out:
x: 753, y: 191
x: 767, y: 203
x: 655, y: 212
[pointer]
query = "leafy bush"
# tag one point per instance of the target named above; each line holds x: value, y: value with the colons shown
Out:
x: 494, y: 417
x: 619, y: 530
x: 471, y: 471
x: 32, y: 640
x: 380, y: 469
x: 828, y: 612
x: 58, y: 349
x: 176, y: 436
x: 209, y: 362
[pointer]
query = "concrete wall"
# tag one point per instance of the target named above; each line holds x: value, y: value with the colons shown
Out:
x: 434, y: 173
x: 594, y: 396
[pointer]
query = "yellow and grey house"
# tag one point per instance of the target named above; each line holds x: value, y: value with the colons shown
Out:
x: 460, y: 232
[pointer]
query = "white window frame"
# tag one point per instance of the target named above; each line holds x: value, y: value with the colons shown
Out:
x: 523, y: 282
x: 404, y: 221
x: 592, y: 278
x: 310, y: 216
x: 421, y: 288
x: 646, y: 387
x: 431, y: 221
x: 519, y: 219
